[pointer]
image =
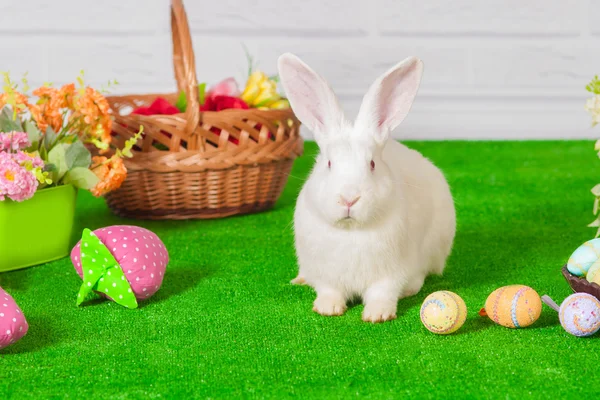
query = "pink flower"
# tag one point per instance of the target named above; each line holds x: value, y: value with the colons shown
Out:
x: 227, y: 87
x: 22, y: 157
x: 16, y: 182
x: 13, y: 141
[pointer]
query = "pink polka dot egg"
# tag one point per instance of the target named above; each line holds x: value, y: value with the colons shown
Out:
x: 140, y: 253
x: 13, y: 325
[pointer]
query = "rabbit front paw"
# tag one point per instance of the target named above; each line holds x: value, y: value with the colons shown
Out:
x: 379, y: 312
x: 329, y: 303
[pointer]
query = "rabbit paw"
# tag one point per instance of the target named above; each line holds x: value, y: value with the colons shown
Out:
x: 329, y: 304
x: 299, y: 280
x: 379, y: 312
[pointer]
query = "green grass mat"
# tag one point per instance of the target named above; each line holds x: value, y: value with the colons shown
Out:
x: 227, y: 324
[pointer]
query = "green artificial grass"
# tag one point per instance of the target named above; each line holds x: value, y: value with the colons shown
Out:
x: 227, y: 324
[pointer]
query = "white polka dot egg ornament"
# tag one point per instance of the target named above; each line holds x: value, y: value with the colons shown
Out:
x: 579, y: 314
x: 126, y: 274
x: 13, y: 325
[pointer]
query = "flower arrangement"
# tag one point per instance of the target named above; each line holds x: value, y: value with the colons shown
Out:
x: 260, y: 92
x: 45, y: 142
x: 593, y: 107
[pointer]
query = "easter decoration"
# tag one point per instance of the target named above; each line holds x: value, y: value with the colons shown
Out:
x: 584, y: 257
x: 513, y: 306
x: 579, y: 313
x: 53, y: 143
x: 237, y: 137
x: 123, y: 263
x: 592, y: 106
x: 443, y: 312
x: 582, y: 270
x: 13, y: 325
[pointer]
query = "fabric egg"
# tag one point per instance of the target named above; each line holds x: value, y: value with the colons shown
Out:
x: 140, y: 256
x: 593, y: 274
x: 580, y: 314
x: 443, y: 312
x: 584, y: 257
x: 13, y: 325
x: 514, y: 306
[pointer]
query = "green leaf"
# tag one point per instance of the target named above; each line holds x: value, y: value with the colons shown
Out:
x: 57, y: 157
x: 7, y: 123
x: 160, y: 146
x: 202, y: 93
x: 33, y: 134
x: 77, y: 155
x: 50, y: 137
x: 81, y: 178
x: 44, y: 153
x: 594, y: 85
x: 181, y: 103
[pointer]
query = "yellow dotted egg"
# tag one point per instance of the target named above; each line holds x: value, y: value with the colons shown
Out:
x: 514, y: 306
x: 443, y: 312
x: 593, y: 274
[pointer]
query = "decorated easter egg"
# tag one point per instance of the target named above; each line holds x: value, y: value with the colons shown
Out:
x: 13, y: 325
x: 443, y: 312
x: 123, y: 263
x: 580, y: 314
x: 584, y: 257
x: 513, y: 306
x: 593, y: 274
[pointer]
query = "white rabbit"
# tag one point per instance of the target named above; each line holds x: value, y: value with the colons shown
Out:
x: 374, y: 217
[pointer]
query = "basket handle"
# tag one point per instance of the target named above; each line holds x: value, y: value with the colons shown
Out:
x: 185, y: 65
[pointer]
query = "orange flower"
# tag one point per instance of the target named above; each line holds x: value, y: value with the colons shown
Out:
x: 17, y: 100
x: 111, y: 172
x: 38, y: 117
x: 50, y: 104
x: 92, y: 115
x: 45, y: 93
x: 66, y: 95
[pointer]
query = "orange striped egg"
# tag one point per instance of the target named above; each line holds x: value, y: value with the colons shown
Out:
x: 514, y: 306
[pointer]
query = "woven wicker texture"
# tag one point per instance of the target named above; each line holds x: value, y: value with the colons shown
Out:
x: 200, y: 164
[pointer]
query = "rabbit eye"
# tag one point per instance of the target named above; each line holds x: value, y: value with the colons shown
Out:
x: 328, y: 164
x: 372, y: 165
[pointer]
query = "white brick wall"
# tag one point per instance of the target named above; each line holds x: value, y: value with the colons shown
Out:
x: 493, y: 69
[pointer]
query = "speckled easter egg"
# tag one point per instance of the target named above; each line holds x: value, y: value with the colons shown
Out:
x: 593, y: 274
x: 514, y: 306
x: 580, y: 314
x: 142, y: 256
x: 584, y: 257
x: 13, y: 325
x: 443, y: 312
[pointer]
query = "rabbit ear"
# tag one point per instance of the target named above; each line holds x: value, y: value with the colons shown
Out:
x: 311, y: 97
x: 389, y: 99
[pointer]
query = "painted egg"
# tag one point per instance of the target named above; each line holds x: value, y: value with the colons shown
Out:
x: 140, y: 254
x: 593, y: 274
x: 514, y: 306
x: 13, y: 325
x: 584, y: 257
x: 580, y: 314
x: 443, y: 312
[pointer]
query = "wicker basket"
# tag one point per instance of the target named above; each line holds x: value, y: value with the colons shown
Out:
x: 202, y: 174
x: 580, y: 284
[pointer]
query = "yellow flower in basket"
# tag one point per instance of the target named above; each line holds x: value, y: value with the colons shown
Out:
x: 261, y: 92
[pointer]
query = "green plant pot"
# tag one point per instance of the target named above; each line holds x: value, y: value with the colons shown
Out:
x: 37, y: 230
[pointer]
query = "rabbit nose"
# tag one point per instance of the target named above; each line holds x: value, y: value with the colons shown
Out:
x: 349, y: 203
